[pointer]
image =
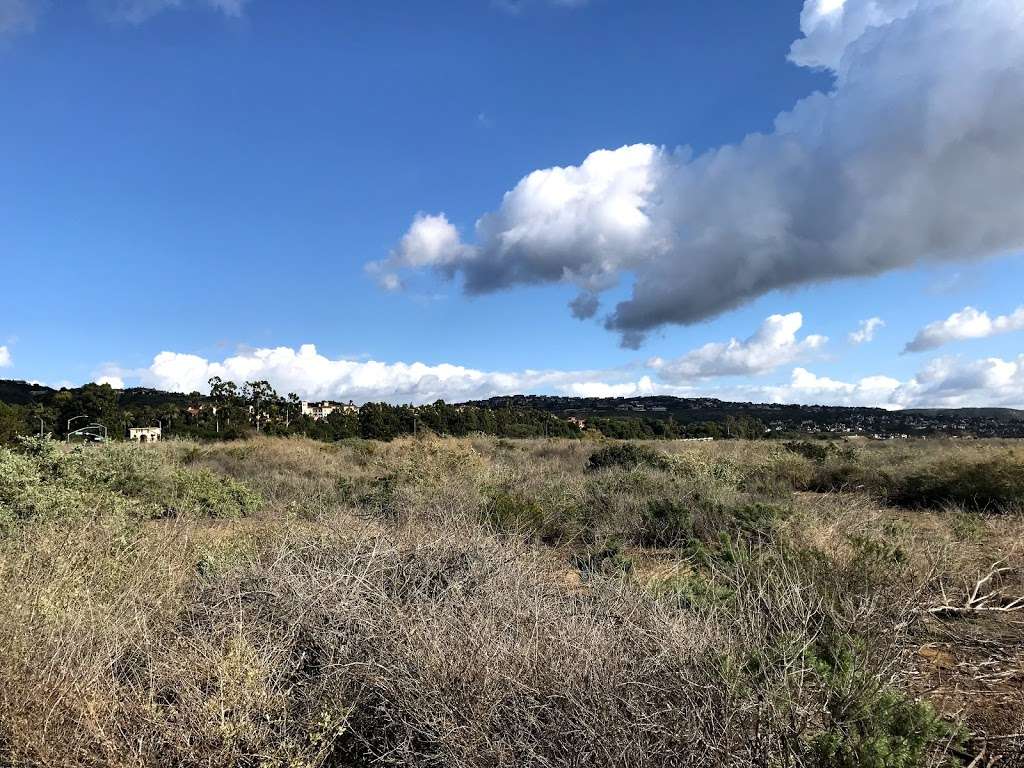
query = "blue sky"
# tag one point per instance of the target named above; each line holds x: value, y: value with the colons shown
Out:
x: 209, y: 179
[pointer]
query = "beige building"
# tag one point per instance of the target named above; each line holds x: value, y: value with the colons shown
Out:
x: 325, y: 408
x: 144, y: 434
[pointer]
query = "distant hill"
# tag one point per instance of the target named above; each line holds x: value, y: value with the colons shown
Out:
x: 982, y: 422
x: 15, y: 392
x: 1011, y: 414
x: 689, y: 416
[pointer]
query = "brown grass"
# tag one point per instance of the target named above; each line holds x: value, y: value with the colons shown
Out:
x: 373, y: 613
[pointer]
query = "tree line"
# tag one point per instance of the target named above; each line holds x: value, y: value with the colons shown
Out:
x: 231, y: 411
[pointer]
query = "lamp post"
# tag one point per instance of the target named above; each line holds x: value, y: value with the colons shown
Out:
x: 68, y: 438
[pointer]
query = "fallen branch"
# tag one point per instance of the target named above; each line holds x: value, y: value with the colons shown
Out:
x: 978, y: 601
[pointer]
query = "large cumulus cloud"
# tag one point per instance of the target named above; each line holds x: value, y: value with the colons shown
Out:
x: 968, y: 323
x: 913, y: 156
x: 774, y: 344
x: 313, y: 375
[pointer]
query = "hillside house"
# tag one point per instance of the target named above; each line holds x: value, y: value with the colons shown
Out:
x: 145, y: 434
x: 323, y: 409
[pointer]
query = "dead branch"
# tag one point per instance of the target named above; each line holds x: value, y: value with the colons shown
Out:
x: 979, y: 600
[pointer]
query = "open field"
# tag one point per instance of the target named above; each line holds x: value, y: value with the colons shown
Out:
x: 483, y: 602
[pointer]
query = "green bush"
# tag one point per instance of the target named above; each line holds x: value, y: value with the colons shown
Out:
x: 43, y: 480
x: 692, y: 591
x: 666, y: 523
x: 816, y: 452
x: 510, y: 512
x: 608, y: 559
x: 995, y: 485
x: 757, y: 520
x: 627, y: 456
x: 201, y: 492
x: 868, y: 725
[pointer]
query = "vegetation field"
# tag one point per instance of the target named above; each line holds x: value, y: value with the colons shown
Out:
x: 487, y: 602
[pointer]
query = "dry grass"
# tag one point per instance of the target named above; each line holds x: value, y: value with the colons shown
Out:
x: 482, y: 602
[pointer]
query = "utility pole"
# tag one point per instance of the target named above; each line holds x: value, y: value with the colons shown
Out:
x: 40, y: 427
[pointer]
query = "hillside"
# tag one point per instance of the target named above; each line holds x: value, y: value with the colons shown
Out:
x: 524, y: 415
x: 981, y: 422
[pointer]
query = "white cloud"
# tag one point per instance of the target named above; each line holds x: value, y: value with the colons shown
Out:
x: 312, y: 375
x: 866, y: 332
x: 774, y: 344
x: 516, y: 6
x: 5, y: 358
x: 830, y: 27
x: 807, y: 388
x: 114, y: 381
x: 432, y: 241
x: 139, y: 11
x: 943, y: 383
x: 951, y: 382
x: 912, y: 157
x: 968, y: 323
x: 641, y: 388
x: 946, y: 382
x: 229, y: 7
x: 19, y: 15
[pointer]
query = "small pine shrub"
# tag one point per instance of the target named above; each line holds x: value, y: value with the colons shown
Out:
x: 627, y: 456
x: 666, y: 523
x: 692, y: 591
x: 607, y: 560
x: 757, y: 520
x: 381, y: 497
x: 868, y: 725
x: 510, y: 512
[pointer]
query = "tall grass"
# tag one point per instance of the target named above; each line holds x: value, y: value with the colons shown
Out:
x: 463, y: 603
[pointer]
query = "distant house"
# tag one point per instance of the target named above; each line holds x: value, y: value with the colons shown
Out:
x: 581, y: 423
x: 324, y: 408
x: 145, y: 434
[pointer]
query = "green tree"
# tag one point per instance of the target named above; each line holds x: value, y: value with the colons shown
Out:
x: 12, y: 423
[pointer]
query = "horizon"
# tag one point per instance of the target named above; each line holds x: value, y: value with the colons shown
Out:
x: 513, y: 395
x: 815, y: 203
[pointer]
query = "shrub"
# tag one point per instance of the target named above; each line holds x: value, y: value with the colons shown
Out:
x: 510, y: 512
x: 816, y: 452
x: 869, y: 725
x: 692, y: 591
x: 995, y: 485
x: 666, y: 523
x: 757, y: 520
x: 607, y: 560
x: 202, y: 492
x: 627, y: 456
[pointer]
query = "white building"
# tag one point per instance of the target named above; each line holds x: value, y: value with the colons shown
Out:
x: 325, y: 408
x: 144, y: 434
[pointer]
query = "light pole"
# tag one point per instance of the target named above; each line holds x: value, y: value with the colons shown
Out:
x: 40, y: 426
x: 68, y: 438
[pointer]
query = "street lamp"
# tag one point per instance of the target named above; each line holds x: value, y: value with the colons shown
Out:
x: 68, y: 439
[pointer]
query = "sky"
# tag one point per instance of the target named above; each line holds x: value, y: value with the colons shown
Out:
x: 809, y: 202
